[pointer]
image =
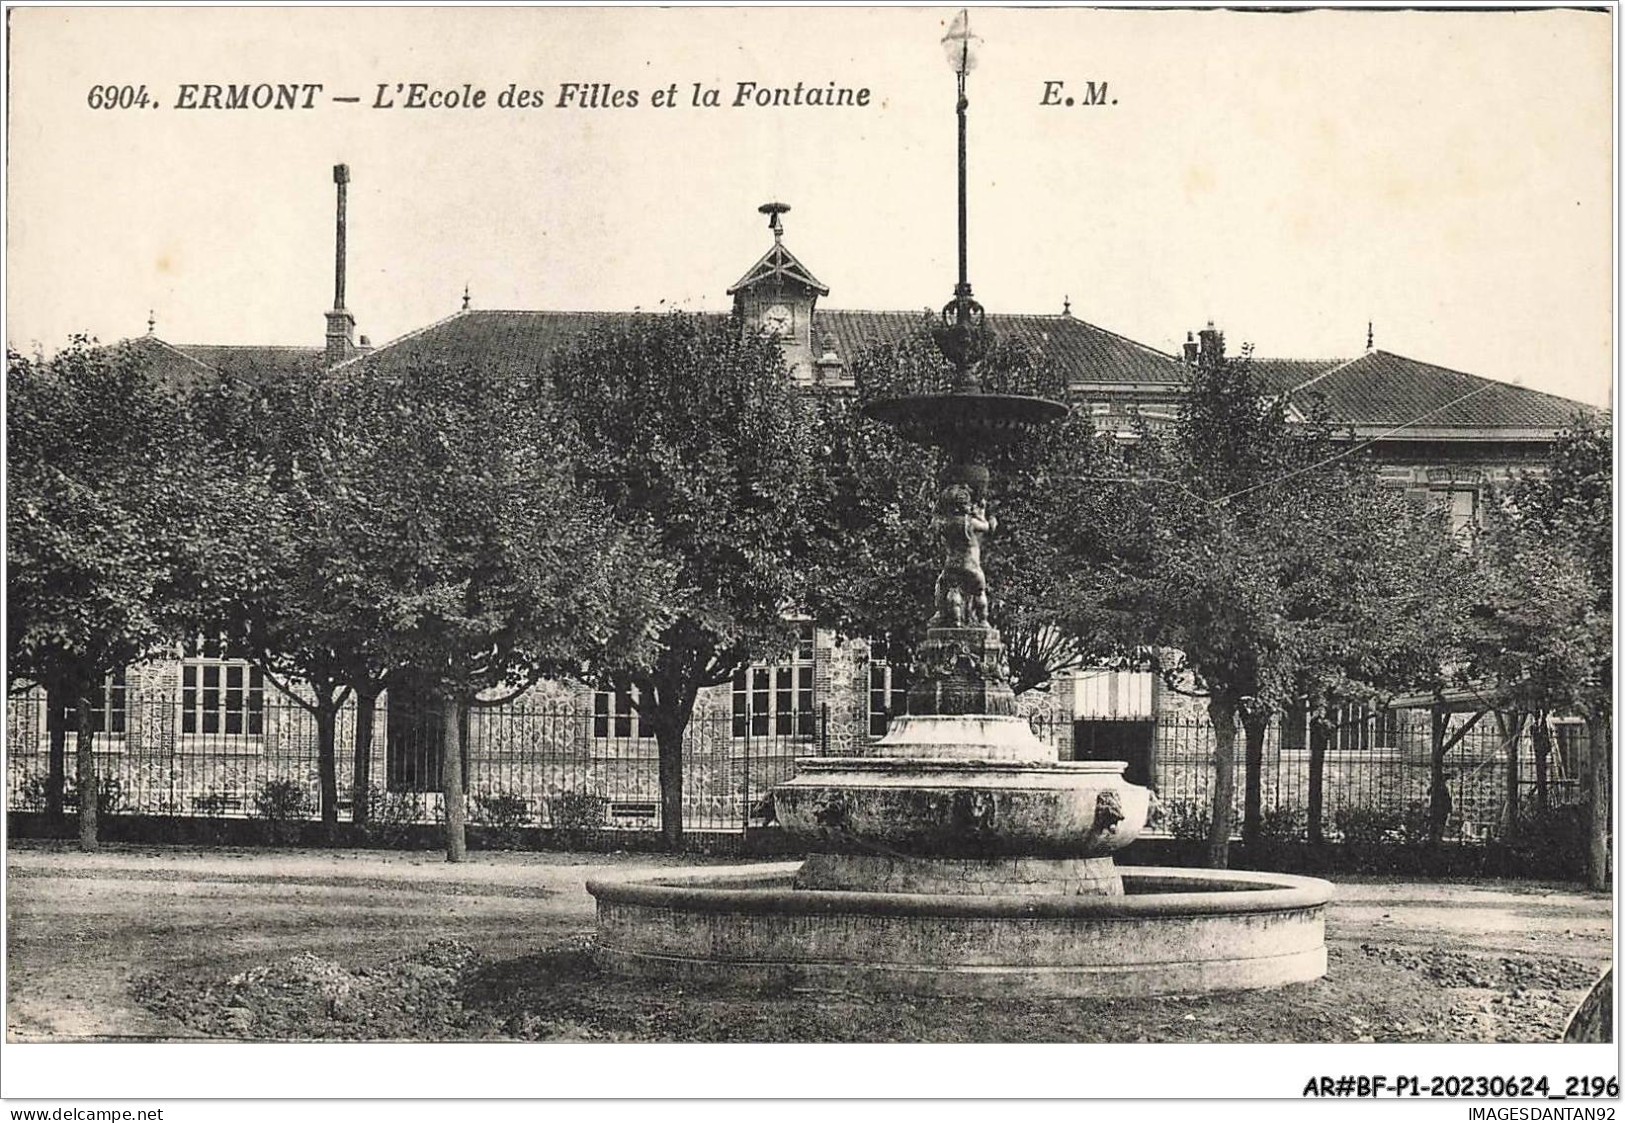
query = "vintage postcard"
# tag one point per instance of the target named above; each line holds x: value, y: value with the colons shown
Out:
x: 1077, y: 526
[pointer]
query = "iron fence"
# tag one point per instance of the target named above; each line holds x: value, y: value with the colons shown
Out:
x: 569, y: 766
x: 1376, y: 776
x: 529, y: 764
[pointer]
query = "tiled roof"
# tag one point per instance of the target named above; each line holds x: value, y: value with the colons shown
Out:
x: 520, y: 342
x: 169, y: 364
x: 1088, y: 353
x: 1381, y: 390
x: 516, y: 343
x: 253, y: 361
x: 1373, y: 392
x: 1280, y: 376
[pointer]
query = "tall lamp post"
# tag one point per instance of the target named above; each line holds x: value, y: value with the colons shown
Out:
x: 957, y: 855
x: 961, y: 667
x: 963, y: 336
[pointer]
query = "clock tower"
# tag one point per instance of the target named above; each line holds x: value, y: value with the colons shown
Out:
x: 777, y: 294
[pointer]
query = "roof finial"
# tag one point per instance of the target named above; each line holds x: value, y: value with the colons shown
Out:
x: 1066, y: 305
x: 1370, y: 336
x: 465, y: 297
x: 152, y: 322
x: 773, y: 211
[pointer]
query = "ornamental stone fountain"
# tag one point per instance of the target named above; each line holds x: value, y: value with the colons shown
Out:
x: 958, y: 855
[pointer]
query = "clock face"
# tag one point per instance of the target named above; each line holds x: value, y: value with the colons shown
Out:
x: 778, y: 320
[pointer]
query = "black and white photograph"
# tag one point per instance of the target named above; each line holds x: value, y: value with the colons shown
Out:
x: 578, y: 529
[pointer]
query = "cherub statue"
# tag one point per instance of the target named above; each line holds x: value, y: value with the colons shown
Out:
x: 962, y: 588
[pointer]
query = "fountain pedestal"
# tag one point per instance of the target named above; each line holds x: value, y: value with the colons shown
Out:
x: 958, y: 855
x: 962, y: 670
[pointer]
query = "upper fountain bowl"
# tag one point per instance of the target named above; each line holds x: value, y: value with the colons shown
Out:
x: 964, y: 419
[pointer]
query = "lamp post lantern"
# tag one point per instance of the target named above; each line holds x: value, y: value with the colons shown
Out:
x: 963, y: 336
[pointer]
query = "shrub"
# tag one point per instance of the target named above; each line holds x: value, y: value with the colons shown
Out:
x: 109, y: 795
x: 1368, y: 827
x: 280, y: 803
x: 1283, y: 824
x: 1552, y: 843
x: 504, y: 815
x: 391, y: 817
x: 1413, y: 823
x: 1187, y: 820
x: 31, y: 793
x: 576, y: 814
x: 1377, y: 839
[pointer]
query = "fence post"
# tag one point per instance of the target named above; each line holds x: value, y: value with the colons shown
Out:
x: 744, y: 817
x: 823, y: 729
x: 1319, y: 734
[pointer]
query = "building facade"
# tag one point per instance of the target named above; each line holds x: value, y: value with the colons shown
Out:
x: 203, y: 734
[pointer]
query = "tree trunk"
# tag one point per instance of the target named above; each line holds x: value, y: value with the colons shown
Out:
x: 89, y: 788
x: 1599, y: 771
x: 451, y: 776
x: 669, y: 704
x: 366, y: 702
x: 1512, y: 732
x: 1319, y: 736
x: 1438, y: 789
x: 669, y: 738
x: 1255, y: 726
x: 327, y: 720
x: 1153, y: 778
x: 1223, y: 716
x: 1541, y: 733
x: 56, y: 729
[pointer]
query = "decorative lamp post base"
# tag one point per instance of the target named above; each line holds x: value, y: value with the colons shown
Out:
x: 962, y: 671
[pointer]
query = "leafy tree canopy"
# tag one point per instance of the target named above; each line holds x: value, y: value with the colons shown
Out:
x: 688, y: 430
x: 440, y: 507
x: 126, y: 535
x: 1544, y: 614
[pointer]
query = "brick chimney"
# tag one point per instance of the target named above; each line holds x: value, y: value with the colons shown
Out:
x: 340, y: 323
x: 1192, y: 348
x: 1211, y: 343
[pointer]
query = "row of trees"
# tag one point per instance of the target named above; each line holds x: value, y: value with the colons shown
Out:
x: 631, y: 517
x: 644, y: 510
x: 1259, y: 563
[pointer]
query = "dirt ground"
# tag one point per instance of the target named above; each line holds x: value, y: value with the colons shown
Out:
x: 174, y: 943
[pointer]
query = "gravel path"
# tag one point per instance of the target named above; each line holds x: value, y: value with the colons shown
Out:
x: 144, y: 942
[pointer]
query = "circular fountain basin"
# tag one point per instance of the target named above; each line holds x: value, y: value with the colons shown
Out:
x: 1175, y: 931
x: 943, y: 808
